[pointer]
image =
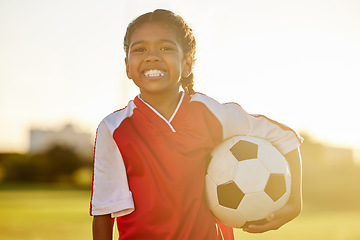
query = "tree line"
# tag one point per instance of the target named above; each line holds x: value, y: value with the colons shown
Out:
x: 325, y: 183
x: 57, y: 164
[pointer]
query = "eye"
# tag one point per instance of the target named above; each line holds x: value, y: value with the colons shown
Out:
x: 139, y: 49
x: 166, y: 48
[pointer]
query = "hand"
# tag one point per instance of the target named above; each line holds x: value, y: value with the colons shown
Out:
x: 276, y: 219
x: 293, y: 207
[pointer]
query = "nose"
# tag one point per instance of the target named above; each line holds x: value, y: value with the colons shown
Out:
x: 152, y: 56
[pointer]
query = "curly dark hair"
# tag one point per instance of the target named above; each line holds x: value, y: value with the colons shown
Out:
x: 182, y: 30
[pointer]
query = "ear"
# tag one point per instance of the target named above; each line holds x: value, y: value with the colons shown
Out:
x: 127, y: 68
x: 187, y: 68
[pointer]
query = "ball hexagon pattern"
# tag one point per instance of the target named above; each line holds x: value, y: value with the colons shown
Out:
x: 247, y: 179
x: 229, y: 195
x: 276, y: 186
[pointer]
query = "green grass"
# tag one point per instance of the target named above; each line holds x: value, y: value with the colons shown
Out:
x: 39, y: 214
x: 319, y: 225
x: 44, y: 214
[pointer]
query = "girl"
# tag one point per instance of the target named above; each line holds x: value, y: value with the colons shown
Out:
x: 150, y: 157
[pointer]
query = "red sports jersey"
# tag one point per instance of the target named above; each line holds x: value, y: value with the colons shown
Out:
x: 149, y: 172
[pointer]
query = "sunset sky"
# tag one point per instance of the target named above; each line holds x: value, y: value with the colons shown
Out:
x: 295, y: 61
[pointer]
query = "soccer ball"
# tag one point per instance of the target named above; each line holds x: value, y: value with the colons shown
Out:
x: 247, y: 179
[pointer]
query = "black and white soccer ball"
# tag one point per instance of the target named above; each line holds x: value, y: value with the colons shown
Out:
x: 247, y: 179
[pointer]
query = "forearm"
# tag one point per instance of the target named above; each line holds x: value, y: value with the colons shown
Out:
x: 292, y: 209
x: 294, y: 160
x: 103, y: 227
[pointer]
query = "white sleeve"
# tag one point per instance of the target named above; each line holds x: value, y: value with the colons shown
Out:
x: 110, y: 191
x: 237, y: 122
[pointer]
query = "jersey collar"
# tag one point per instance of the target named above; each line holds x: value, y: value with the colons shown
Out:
x: 154, y: 115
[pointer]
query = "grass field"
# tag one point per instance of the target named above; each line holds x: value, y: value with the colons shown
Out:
x: 44, y: 214
x: 39, y: 214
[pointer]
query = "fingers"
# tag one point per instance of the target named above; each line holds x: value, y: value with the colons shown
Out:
x: 275, y: 221
x: 261, y: 228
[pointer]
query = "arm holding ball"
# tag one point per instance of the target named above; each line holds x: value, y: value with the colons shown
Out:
x: 293, y: 207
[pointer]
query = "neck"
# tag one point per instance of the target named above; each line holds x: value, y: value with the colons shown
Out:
x: 164, y: 103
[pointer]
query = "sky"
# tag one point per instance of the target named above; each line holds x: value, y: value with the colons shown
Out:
x: 295, y: 61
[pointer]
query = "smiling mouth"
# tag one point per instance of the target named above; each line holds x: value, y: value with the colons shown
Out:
x: 154, y: 73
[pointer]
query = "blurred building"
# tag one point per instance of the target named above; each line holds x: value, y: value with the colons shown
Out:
x: 43, y: 140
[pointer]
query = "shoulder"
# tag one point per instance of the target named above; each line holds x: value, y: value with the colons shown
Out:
x: 217, y: 108
x: 210, y: 102
x: 114, y: 120
x: 206, y: 101
x: 200, y: 97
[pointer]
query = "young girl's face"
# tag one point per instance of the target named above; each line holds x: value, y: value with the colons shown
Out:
x: 155, y: 61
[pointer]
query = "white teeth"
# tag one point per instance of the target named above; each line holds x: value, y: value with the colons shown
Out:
x: 154, y: 73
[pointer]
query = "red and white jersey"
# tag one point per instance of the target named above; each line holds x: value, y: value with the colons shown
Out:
x: 149, y: 172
